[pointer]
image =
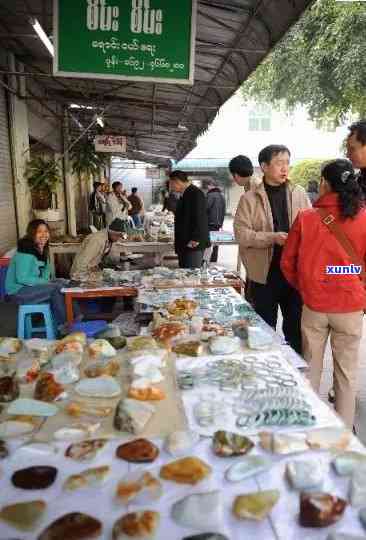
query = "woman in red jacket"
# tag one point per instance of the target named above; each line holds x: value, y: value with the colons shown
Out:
x: 333, y: 297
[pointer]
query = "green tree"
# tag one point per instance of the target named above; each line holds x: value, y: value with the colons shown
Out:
x: 320, y: 63
x: 306, y: 170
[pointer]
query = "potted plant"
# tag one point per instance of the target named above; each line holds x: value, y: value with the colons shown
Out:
x: 86, y: 164
x: 43, y: 176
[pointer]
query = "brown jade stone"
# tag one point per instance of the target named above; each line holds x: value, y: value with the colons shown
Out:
x: 146, y: 394
x: 47, y: 389
x: 73, y: 526
x: 188, y: 470
x: 138, y: 451
x: 9, y: 388
x: 37, y: 477
x: 136, y: 525
x: 319, y: 509
x: 4, y: 452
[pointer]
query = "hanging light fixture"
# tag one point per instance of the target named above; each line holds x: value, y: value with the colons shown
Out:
x: 99, y: 120
x: 43, y: 36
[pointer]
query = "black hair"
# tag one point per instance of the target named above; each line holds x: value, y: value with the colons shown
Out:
x: 33, y: 227
x: 359, y: 129
x: 342, y: 179
x: 27, y: 243
x: 271, y: 151
x: 179, y: 175
x: 134, y: 190
x: 242, y: 166
x: 116, y: 184
x: 96, y: 185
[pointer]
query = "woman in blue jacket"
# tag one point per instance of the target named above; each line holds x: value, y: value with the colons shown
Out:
x: 28, y: 275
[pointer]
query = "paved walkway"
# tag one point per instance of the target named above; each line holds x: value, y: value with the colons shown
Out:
x: 228, y: 258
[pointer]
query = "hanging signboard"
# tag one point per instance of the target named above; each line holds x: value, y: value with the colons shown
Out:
x: 116, y: 144
x: 141, y: 40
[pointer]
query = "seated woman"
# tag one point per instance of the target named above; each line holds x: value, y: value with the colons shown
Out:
x: 28, y: 275
x: 334, y: 297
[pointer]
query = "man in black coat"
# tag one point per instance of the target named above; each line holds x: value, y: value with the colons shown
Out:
x: 216, y: 209
x: 191, y: 221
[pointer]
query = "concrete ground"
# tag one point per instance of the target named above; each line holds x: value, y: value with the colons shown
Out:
x: 228, y: 258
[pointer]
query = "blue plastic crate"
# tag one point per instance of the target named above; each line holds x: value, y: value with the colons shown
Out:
x: 90, y: 328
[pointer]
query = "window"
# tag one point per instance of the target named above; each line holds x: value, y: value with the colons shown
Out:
x: 260, y: 118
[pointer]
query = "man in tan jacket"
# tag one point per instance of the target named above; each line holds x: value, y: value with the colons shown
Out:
x: 97, y: 250
x: 262, y: 221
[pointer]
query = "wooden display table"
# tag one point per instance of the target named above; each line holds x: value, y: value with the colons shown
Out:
x: 101, y: 292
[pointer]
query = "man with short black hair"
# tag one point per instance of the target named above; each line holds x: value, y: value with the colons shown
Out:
x: 356, y: 150
x: 137, y: 207
x: 216, y: 209
x: 241, y: 169
x: 261, y: 225
x: 117, y: 205
x: 191, y: 221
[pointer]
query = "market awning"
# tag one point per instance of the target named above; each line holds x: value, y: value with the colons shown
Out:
x: 161, y: 121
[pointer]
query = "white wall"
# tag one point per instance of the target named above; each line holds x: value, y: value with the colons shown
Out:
x: 229, y: 135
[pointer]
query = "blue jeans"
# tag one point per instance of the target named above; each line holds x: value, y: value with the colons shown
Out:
x: 137, y: 220
x: 47, y: 293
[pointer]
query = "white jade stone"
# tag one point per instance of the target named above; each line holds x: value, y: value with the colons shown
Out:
x: 151, y: 373
x: 31, y: 407
x: 35, y: 449
x: 224, y: 345
x: 103, y: 387
x: 347, y: 462
x: 305, y: 474
x: 14, y: 428
x: 246, y: 467
x: 357, y: 491
x: 179, y: 443
x: 202, y: 511
x: 70, y: 434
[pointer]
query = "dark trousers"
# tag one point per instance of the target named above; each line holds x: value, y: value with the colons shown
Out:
x: 215, y: 249
x: 190, y: 258
x: 214, y: 254
x: 278, y: 292
x: 47, y: 292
